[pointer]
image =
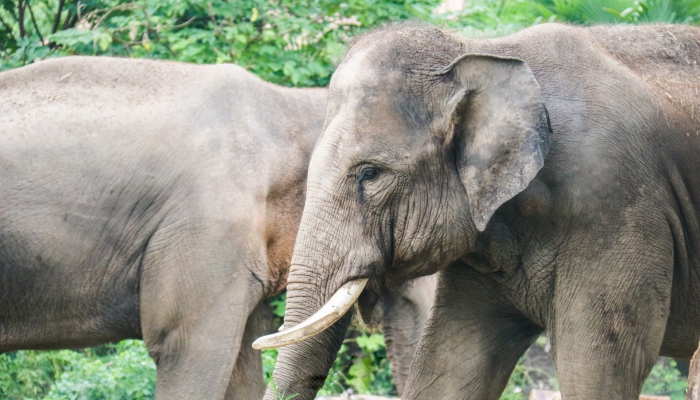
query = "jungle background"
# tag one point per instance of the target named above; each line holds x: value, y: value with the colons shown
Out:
x: 288, y: 42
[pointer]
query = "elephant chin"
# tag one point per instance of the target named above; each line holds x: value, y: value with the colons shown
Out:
x: 332, y: 311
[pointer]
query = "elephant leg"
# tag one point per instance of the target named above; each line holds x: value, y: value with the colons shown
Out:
x: 601, y: 354
x: 247, y: 381
x: 472, y: 341
x: 609, y: 319
x: 194, y: 306
x: 404, y: 313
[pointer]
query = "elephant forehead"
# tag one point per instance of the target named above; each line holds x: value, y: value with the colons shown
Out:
x: 365, y: 72
x: 356, y: 71
x: 363, y: 113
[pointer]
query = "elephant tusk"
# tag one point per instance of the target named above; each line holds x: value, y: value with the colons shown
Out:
x: 336, y: 307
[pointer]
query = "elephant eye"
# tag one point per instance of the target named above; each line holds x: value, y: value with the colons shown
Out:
x: 368, y: 174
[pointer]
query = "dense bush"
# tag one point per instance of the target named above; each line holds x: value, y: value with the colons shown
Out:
x: 122, y: 370
x: 292, y: 42
x: 289, y: 42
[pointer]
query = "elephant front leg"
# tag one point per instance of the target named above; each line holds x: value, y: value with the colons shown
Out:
x: 195, y: 304
x: 608, y: 324
x: 196, y: 353
x: 472, y: 341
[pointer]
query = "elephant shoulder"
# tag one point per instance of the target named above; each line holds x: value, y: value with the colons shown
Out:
x: 665, y: 57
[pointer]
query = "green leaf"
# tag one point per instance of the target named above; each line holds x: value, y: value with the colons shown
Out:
x: 279, y: 305
x: 104, y: 40
x: 626, y: 11
x: 371, y: 343
x: 613, y: 12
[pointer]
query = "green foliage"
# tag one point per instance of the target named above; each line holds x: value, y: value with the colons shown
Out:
x: 269, y: 356
x: 112, y: 372
x: 277, y: 304
x: 362, y: 366
x: 281, y: 396
x: 665, y: 379
x: 30, y: 374
x: 124, y: 371
x: 288, y: 42
x: 629, y: 11
x: 492, y: 18
x: 292, y: 42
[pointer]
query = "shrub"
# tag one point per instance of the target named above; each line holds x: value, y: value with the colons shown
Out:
x: 114, y: 371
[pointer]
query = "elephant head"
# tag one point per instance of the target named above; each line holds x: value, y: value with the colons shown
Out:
x: 423, y: 141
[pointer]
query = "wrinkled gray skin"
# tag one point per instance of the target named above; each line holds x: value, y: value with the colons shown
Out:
x: 154, y: 200
x: 403, y: 314
x: 583, y: 222
x: 160, y: 200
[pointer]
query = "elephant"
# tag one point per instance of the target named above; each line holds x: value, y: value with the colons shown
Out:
x: 548, y: 177
x: 154, y: 200
x: 402, y: 313
x: 160, y: 201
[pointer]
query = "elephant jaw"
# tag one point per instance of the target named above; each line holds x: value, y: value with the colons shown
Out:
x: 332, y: 311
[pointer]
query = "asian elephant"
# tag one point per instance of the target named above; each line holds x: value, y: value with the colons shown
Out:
x: 160, y: 200
x: 550, y: 176
x: 154, y: 200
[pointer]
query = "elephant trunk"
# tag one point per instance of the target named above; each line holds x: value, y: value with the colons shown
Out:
x: 316, y: 316
x: 302, y: 368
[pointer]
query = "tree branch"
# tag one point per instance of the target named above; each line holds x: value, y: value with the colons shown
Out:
x: 20, y: 19
x: 69, y: 14
x: 36, y: 27
x: 70, y: 21
x: 57, y: 20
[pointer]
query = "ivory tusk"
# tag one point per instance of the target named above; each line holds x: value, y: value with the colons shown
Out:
x: 336, y: 307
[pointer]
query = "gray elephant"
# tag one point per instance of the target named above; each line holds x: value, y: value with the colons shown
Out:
x: 154, y: 200
x: 550, y: 176
x: 402, y: 313
x: 160, y: 200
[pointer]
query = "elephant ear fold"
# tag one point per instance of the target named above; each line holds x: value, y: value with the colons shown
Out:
x: 500, y: 129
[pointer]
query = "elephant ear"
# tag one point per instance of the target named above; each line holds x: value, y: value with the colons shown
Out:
x: 500, y: 127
